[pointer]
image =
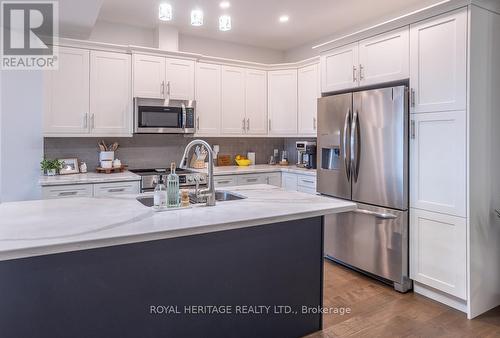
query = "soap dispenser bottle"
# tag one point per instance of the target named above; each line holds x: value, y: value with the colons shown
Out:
x: 172, y: 188
x: 160, y: 194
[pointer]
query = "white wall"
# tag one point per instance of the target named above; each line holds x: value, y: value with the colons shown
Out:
x: 21, y: 145
x: 131, y: 35
x: 229, y: 50
x: 122, y: 34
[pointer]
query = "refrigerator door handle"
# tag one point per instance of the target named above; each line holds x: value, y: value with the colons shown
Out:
x: 347, y: 161
x: 355, y: 146
x: 375, y: 214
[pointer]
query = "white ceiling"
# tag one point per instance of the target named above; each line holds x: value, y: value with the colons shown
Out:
x: 255, y: 22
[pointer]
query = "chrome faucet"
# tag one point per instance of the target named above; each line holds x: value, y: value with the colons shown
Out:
x: 209, y: 193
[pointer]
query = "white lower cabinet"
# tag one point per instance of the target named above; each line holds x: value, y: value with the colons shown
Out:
x: 438, y: 245
x: 91, y: 190
x: 298, y: 182
x: 289, y: 182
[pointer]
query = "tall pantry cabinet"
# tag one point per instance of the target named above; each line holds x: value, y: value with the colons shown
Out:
x: 454, y: 158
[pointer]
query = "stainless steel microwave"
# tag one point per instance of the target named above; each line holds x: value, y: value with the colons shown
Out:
x: 152, y: 116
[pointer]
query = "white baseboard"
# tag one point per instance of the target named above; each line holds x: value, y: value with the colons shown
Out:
x: 441, y: 297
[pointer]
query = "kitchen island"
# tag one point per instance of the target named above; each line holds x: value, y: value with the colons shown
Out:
x: 111, y: 267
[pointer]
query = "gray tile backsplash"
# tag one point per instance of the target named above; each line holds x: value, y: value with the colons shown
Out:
x: 151, y: 151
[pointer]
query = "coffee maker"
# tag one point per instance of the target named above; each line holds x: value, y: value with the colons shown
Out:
x: 306, y: 154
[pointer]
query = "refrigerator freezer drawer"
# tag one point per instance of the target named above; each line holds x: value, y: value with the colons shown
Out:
x: 371, y: 239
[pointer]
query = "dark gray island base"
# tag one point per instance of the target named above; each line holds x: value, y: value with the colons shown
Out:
x: 262, y: 275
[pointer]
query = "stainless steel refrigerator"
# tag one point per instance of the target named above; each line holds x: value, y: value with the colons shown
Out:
x: 363, y: 157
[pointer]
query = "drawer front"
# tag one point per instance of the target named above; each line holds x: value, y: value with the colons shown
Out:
x: 289, y: 181
x: 307, y: 181
x: 307, y: 190
x: 116, y: 188
x: 67, y: 191
x: 251, y: 179
x: 225, y: 181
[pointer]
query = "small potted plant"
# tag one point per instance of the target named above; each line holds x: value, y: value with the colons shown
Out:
x: 50, y: 167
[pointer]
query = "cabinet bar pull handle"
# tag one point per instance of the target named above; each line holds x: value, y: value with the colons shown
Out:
x: 222, y: 182
x: 314, y: 123
x: 116, y: 190
x: 306, y: 181
x: 92, y: 121
x: 248, y: 124
x: 251, y: 180
x: 168, y: 88
x: 198, y: 123
x: 85, y: 120
x: 412, y: 97
x: 269, y: 124
x: 244, y: 125
x: 412, y: 129
x: 162, y: 88
x: 361, y: 71
x: 354, y: 78
x: 68, y: 193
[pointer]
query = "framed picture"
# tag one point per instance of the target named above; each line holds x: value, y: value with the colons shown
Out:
x: 69, y: 166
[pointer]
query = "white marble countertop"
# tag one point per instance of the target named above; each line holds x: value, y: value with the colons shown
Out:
x: 33, y: 228
x: 88, y: 178
x: 259, y: 168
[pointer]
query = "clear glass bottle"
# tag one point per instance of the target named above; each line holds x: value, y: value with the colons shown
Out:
x: 172, y: 188
x: 160, y: 194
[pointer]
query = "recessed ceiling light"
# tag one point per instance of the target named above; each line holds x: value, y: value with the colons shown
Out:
x: 197, y: 17
x: 224, y: 4
x: 224, y: 23
x: 165, y: 12
x: 284, y: 18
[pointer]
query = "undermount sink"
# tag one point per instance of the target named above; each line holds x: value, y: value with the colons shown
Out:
x: 220, y: 196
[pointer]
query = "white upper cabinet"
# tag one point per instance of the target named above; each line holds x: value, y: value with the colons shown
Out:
x: 256, y: 101
x: 110, y: 94
x: 438, y: 251
x: 438, y: 69
x: 66, y: 97
x: 282, y: 102
x: 233, y: 100
x: 339, y: 68
x: 179, y: 79
x: 308, y: 93
x: 438, y: 160
x: 149, y: 76
x: 385, y: 57
x: 208, y: 98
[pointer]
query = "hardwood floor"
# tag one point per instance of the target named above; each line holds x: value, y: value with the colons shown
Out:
x: 378, y: 311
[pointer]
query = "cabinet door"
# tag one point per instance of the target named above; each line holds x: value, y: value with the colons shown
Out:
x: 289, y: 182
x: 208, y: 98
x: 233, y: 101
x: 256, y: 101
x: 438, y: 55
x: 273, y: 179
x: 339, y: 68
x: 110, y: 94
x: 66, y: 97
x: 438, y: 251
x: 438, y: 162
x: 282, y: 102
x: 149, y: 76
x: 179, y: 79
x: 308, y: 93
x: 385, y: 57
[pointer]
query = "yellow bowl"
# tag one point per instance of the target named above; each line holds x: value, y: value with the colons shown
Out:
x: 243, y: 163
